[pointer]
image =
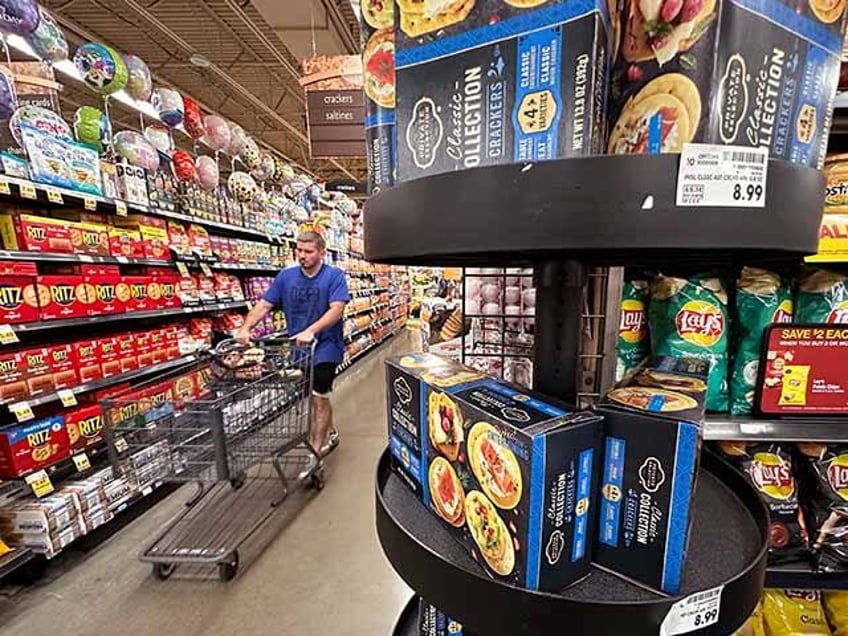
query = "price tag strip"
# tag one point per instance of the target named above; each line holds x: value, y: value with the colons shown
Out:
x: 40, y: 483
x: 81, y: 461
x: 90, y: 204
x: 120, y: 207
x: 28, y: 191
x: 54, y: 196
x: 692, y: 613
x: 722, y: 176
x: 8, y: 335
x: 67, y: 397
x: 22, y: 411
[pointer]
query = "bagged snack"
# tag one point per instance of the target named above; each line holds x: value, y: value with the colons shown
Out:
x: 822, y: 297
x: 794, y: 613
x: 688, y: 318
x: 836, y: 609
x: 761, y: 299
x: 769, y: 468
x: 828, y: 503
x: 754, y: 625
x: 633, y: 344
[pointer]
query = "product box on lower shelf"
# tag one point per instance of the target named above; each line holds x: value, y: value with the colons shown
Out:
x: 500, y: 468
x: 35, y: 233
x: 25, y: 448
x: 652, y: 444
x: 127, y: 352
x: 43, y: 516
x: 39, y: 377
x: 87, y: 360
x: 109, y: 356
x: 18, y: 297
x: 13, y: 385
x: 61, y: 362
x: 434, y: 622
x: 84, y: 426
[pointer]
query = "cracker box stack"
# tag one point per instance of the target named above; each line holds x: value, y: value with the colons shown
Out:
x: 652, y: 443
x: 742, y: 72
x: 511, y: 476
x: 483, y: 82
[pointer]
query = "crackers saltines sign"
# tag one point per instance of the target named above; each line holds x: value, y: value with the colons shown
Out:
x: 335, y: 105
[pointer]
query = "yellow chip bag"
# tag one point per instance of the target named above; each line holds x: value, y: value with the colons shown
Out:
x: 4, y: 549
x: 794, y: 613
x: 754, y: 625
x: 836, y: 608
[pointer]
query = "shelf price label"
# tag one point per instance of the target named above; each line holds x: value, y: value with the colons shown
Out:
x: 120, y: 207
x: 207, y: 271
x: 121, y: 445
x: 81, y: 461
x: 90, y: 204
x: 182, y: 268
x: 22, y: 411
x: 695, y: 612
x: 722, y: 176
x: 40, y: 483
x: 28, y: 191
x: 54, y: 196
x: 8, y: 335
x: 4, y: 187
x: 67, y: 397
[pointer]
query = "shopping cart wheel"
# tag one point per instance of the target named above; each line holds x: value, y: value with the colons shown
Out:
x: 227, y: 570
x: 238, y: 481
x: 163, y: 570
x: 317, y: 479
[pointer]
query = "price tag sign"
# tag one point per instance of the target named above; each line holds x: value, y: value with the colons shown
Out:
x: 146, y: 490
x: 8, y: 335
x: 205, y: 269
x: 692, y: 613
x: 121, y: 445
x: 182, y: 268
x: 28, y: 191
x: 122, y: 259
x: 90, y: 204
x: 67, y: 397
x: 81, y: 461
x: 722, y: 176
x: 40, y: 483
x: 54, y: 196
x: 120, y: 207
x: 4, y: 187
x: 22, y: 411
x: 85, y: 258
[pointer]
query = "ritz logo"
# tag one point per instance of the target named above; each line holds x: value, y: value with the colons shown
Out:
x: 8, y: 366
x: 35, y: 360
x: 108, y: 348
x: 105, y: 292
x: 62, y: 294
x: 11, y: 297
x: 91, y: 426
x: 138, y: 291
x: 90, y: 239
x: 169, y: 290
x: 86, y: 351
x: 41, y: 438
x: 60, y: 355
x: 36, y: 232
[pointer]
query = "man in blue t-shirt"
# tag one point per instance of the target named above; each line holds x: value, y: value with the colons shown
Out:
x: 313, y: 297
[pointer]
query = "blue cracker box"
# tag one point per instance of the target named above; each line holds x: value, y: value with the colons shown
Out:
x: 512, y: 476
x: 433, y: 622
x: 485, y: 82
x: 741, y: 72
x: 652, y: 443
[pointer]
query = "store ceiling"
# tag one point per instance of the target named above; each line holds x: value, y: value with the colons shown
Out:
x: 251, y: 76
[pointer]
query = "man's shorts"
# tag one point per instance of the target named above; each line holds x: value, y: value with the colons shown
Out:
x: 323, y: 375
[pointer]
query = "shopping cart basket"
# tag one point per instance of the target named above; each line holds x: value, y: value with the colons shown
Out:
x: 217, y: 421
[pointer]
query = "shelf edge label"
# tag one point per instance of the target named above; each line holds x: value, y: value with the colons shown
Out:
x: 695, y: 612
x: 40, y: 483
x: 711, y: 175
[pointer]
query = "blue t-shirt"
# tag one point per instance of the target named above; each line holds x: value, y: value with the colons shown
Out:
x: 305, y: 299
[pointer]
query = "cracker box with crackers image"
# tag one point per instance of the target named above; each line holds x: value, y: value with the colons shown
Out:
x: 652, y: 441
x: 485, y: 82
x: 512, y: 476
x: 740, y: 72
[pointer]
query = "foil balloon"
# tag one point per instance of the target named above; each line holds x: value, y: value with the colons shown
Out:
x: 299, y: 214
x: 48, y: 40
x: 139, y: 81
x: 40, y: 118
x: 133, y: 147
x: 238, y: 140
x: 101, y: 67
x: 277, y: 203
x: 283, y: 172
x: 7, y: 94
x: 169, y: 106
x: 160, y: 138
x: 184, y: 167
x: 217, y: 135
x: 19, y: 17
x: 260, y: 201
x: 207, y: 172
x: 265, y: 170
x: 242, y: 186
x: 192, y: 118
x: 91, y: 127
x: 250, y: 155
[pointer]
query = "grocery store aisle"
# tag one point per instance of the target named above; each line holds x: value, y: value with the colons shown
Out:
x: 324, y: 574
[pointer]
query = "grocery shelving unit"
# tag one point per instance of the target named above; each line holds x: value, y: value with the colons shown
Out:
x: 556, y: 216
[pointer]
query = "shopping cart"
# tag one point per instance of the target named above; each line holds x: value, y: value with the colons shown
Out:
x: 218, y: 421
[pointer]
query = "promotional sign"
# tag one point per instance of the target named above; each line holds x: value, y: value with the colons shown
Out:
x: 803, y: 370
x: 335, y: 106
x: 833, y: 240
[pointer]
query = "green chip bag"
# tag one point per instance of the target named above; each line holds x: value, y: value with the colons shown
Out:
x: 822, y: 297
x: 688, y: 318
x: 633, y: 345
x: 761, y: 299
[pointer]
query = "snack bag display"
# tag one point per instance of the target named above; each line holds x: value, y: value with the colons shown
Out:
x: 822, y: 297
x: 754, y: 625
x: 688, y: 318
x: 828, y: 505
x: 794, y: 613
x: 761, y: 299
x: 836, y: 610
x: 769, y: 467
x: 633, y: 344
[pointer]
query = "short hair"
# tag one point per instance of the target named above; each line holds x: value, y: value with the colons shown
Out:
x: 312, y: 237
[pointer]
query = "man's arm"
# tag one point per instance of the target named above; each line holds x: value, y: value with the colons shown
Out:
x: 252, y: 319
x: 330, y: 317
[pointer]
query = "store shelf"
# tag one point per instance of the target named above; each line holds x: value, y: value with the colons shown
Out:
x: 800, y: 576
x: 367, y: 292
x: 347, y: 363
x: 727, y: 546
x: 366, y: 309
x: 50, y: 257
x: 724, y: 427
x: 407, y: 624
x: 566, y: 209
x: 13, y: 560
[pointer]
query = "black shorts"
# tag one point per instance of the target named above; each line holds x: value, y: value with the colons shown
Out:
x: 323, y: 375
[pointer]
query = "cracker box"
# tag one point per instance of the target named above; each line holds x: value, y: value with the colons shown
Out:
x: 132, y: 184
x: 84, y: 426
x: 169, y: 285
x: 153, y: 233
x: 205, y: 288
x: 140, y: 297
x: 46, y: 515
x: 109, y: 353
x: 198, y: 239
x: 434, y: 622
x: 62, y: 296
x: 18, y: 297
x: 652, y: 443
x: 62, y: 365
x: 108, y: 293
x: 89, y: 238
x: 158, y: 346
x: 482, y: 83
x: 740, y: 72
x: 39, y: 377
x: 178, y: 238
x: 127, y: 352
x: 87, y: 359
x: 501, y: 468
x: 188, y: 291
x: 13, y: 387
x: 125, y: 243
x: 143, y: 348
x: 35, y: 233
x: 25, y: 448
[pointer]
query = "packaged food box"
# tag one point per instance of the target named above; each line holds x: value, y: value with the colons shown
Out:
x: 39, y: 377
x: 158, y: 346
x: 188, y: 291
x: 716, y: 71
x: 205, y: 288
x: 153, y: 233
x: 84, y: 426
x: 127, y: 352
x: 106, y: 291
x: 49, y: 545
x: 140, y: 293
x: 172, y: 347
x: 178, y: 238
x: 132, y: 184
x: 87, y: 494
x: 652, y: 444
x: 434, y: 622
x: 13, y: 387
x: 35, y: 233
x: 125, y: 243
x: 89, y: 238
x: 18, y: 296
x: 198, y: 240
x: 63, y: 366
x: 529, y: 469
x: 481, y: 83
x: 46, y: 515
x: 169, y: 284
x: 143, y: 348
x: 87, y: 360
x: 109, y: 354
x: 96, y: 517
x: 25, y: 448
x: 61, y: 296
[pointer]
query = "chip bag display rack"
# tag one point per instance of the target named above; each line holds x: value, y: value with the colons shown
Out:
x: 235, y: 422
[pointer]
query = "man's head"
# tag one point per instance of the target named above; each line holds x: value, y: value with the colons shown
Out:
x: 310, y: 251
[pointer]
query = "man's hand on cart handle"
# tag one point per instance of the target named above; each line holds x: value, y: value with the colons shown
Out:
x: 242, y: 335
x: 305, y: 337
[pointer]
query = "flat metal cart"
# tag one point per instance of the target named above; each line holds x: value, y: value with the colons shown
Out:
x: 236, y: 424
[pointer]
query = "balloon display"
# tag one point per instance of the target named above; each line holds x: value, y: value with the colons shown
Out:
x: 192, y: 118
x: 101, y: 67
x: 159, y: 137
x: 238, y: 140
x: 139, y: 81
x: 19, y: 17
x: 7, y: 94
x: 91, y: 127
x: 133, y: 147
x: 48, y: 40
x: 39, y: 118
x: 242, y: 186
x: 207, y: 172
x: 265, y: 170
x: 250, y: 155
x: 218, y: 135
x: 169, y: 106
x: 184, y: 167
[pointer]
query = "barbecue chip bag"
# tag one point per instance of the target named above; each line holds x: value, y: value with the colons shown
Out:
x: 633, y: 344
x: 769, y: 468
x: 822, y: 297
x: 761, y: 299
x: 688, y: 318
x: 836, y: 609
x: 794, y: 613
x: 828, y: 503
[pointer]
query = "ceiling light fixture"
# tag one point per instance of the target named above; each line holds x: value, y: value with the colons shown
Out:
x: 201, y: 61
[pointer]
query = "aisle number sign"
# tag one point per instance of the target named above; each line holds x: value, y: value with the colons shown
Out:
x: 833, y: 240
x: 40, y: 483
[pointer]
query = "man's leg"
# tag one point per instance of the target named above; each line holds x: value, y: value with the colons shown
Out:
x: 322, y: 411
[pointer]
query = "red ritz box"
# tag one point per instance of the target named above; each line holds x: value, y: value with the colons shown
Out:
x: 84, y: 426
x: 13, y: 387
x: 172, y: 345
x: 62, y: 296
x: 25, y: 448
x: 110, y: 361
x: 62, y: 364
x: 123, y: 242
x: 106, y: 291
x: 140, y: 288
x: 35, y: 234
x: 127, y: 352
x: 87, y: 360
x: 39, y: 377
x: 158, y: 346
x: 18, y: 295
x: 143, y: 348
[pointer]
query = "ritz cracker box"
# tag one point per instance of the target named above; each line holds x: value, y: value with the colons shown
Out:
x: 512, y: 477
x: 652, y: 441
x: 741, y: 72
x: 482, y: 83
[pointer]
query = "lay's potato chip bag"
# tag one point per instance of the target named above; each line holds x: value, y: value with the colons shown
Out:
x: 633, y: 344
x: 822, y: 296
x: 794, y: 613
x: 836, y: 609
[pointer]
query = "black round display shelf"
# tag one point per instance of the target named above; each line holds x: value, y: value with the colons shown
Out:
x: 598, y: 210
